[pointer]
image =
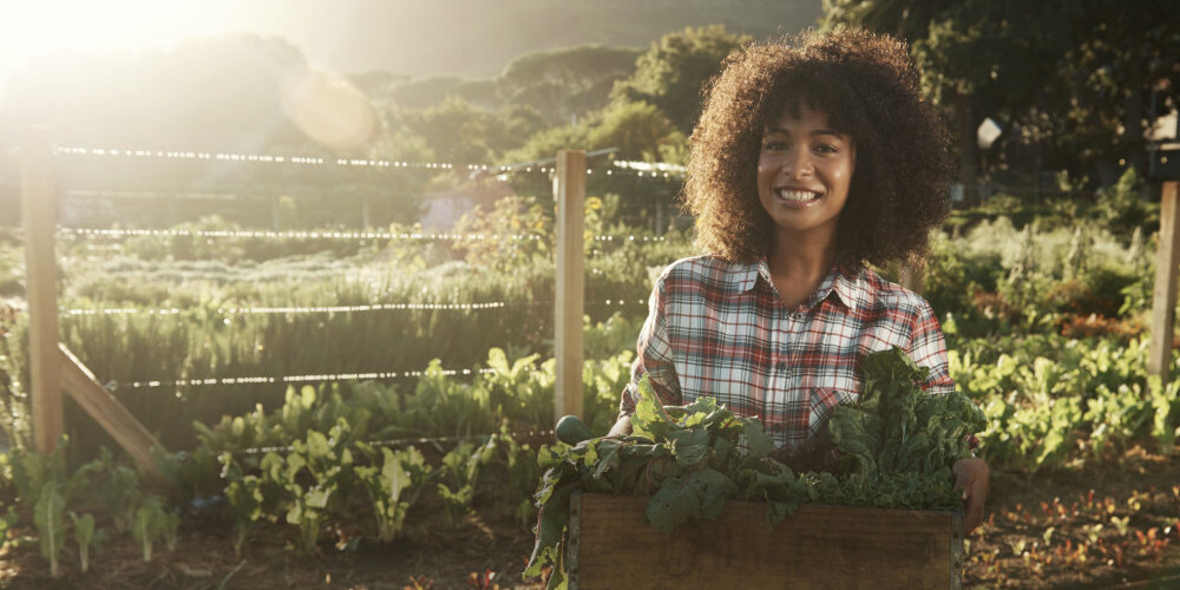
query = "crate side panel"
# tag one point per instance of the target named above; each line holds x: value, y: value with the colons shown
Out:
x: 817, y: 547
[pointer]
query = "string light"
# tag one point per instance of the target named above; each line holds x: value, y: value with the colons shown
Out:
x: 259, y: 158
x: 296, y: 310
x: 649, y: 166
x: 325, y: 377
x: 299, y: 235
x: 608, y: 302
x: 640, y: 169
x: 630, y: 238
x: 76, y: 232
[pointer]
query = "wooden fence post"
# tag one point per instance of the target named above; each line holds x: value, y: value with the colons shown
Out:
x: 39, y: 210
x: 1163, y: 298
x: 569, y: 189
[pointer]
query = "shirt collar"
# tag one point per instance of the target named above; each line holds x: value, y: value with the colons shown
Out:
x: 848, y: 283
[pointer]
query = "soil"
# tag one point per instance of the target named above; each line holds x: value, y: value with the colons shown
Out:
x: 1114, y: 525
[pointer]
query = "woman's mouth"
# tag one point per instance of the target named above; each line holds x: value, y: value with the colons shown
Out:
x: 796, y: 195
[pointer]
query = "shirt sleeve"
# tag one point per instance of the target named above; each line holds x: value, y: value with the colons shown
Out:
x: 928, y: 349
x: 654, y: 357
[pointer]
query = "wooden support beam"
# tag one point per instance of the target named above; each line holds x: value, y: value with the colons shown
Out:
x: 569, y: 189
x: 1163, y: 301
x: 39, y: 210
x: 80, y: 383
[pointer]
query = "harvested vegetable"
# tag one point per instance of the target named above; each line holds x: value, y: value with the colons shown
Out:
x: 893, y: 448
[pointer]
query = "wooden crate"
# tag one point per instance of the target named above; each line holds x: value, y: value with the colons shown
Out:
x: 612, y: 547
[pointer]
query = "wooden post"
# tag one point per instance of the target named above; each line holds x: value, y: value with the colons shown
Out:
x: 80, y: 383
x: 39, y: 205
x: 1163, y: 297
x: 569, y: 189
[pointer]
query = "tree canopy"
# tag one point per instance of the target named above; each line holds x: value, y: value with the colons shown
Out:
x: 672, y: 73
x: 1075, y: 82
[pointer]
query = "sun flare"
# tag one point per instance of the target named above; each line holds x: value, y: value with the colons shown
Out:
x: 32, y: 29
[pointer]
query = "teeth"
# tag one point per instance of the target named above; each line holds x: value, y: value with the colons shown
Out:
x: 797, y: 195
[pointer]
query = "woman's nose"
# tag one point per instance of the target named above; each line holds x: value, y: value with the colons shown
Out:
x: 798, y: 164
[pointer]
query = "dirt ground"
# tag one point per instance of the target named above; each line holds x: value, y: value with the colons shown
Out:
x: 1110, y: 526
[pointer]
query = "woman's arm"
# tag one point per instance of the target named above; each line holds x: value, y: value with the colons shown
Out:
x: 653, y: 360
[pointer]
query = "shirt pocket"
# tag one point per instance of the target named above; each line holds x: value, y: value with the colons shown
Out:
x: 823, y: 402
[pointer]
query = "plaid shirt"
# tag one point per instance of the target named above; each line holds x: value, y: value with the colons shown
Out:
x: 719, y: 328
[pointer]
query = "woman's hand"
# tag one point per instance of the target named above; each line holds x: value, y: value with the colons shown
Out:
x: 621, y: 428
x: 971, y: 476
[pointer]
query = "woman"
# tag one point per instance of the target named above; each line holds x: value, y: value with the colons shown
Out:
x: 811, y: 159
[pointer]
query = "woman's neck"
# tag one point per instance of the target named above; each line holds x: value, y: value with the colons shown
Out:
x: 798, y: 266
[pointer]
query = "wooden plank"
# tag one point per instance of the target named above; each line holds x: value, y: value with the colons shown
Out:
x: 39, y: 210
x: 80, y: 383
x: 817, y: 547
x: 570, y: 191
x: 1163, y: 302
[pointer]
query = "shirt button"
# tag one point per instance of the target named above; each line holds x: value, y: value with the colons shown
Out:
x: 782, y: 366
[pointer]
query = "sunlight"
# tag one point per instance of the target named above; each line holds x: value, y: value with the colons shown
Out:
x: 33, y: 29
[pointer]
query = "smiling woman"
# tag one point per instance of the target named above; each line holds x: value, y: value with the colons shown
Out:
x: 814, y: 158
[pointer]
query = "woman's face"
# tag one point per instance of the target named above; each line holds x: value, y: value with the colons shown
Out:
x: 804, y: 171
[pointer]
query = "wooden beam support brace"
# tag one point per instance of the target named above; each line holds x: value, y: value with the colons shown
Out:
x: 80, y: 383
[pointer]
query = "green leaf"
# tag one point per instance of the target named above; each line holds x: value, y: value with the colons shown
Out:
x: 48, y: 517
x: 759, y: 443
x: 700, y: 495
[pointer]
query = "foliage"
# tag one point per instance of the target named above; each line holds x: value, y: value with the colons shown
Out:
x: 638, y: 129
x: 152, y: 521
x: 49, y: 515
x: 1050, y: 400
x: 671, y: 74
x: 565, y: 82
x: 349, y: 480
x: 1074, y: 84
x: 485, y: 134
x: 106, y: 492
x: 509, y: 217
x: 84, y: 536
x: 1120, y: 206
x: 392, y: 488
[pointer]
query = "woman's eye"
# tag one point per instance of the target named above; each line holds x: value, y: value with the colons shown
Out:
x: 774, y: 145
x: 826, y: 148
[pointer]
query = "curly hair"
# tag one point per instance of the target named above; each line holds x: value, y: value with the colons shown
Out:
x: 869, y: 88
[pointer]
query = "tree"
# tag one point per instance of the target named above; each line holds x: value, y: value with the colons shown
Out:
x: 1076, y: 80
x: 637, y: 129
x: 978, y: 58
x: 672, y: 73
x: 455, y: 131
x: 1120, y: 73
x: 566, y: 82
x: 433, y: 91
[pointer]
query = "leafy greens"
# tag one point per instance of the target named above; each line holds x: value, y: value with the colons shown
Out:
x: 894, y: 448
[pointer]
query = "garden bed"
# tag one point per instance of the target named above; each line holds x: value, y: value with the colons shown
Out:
x: 1013, y: 549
